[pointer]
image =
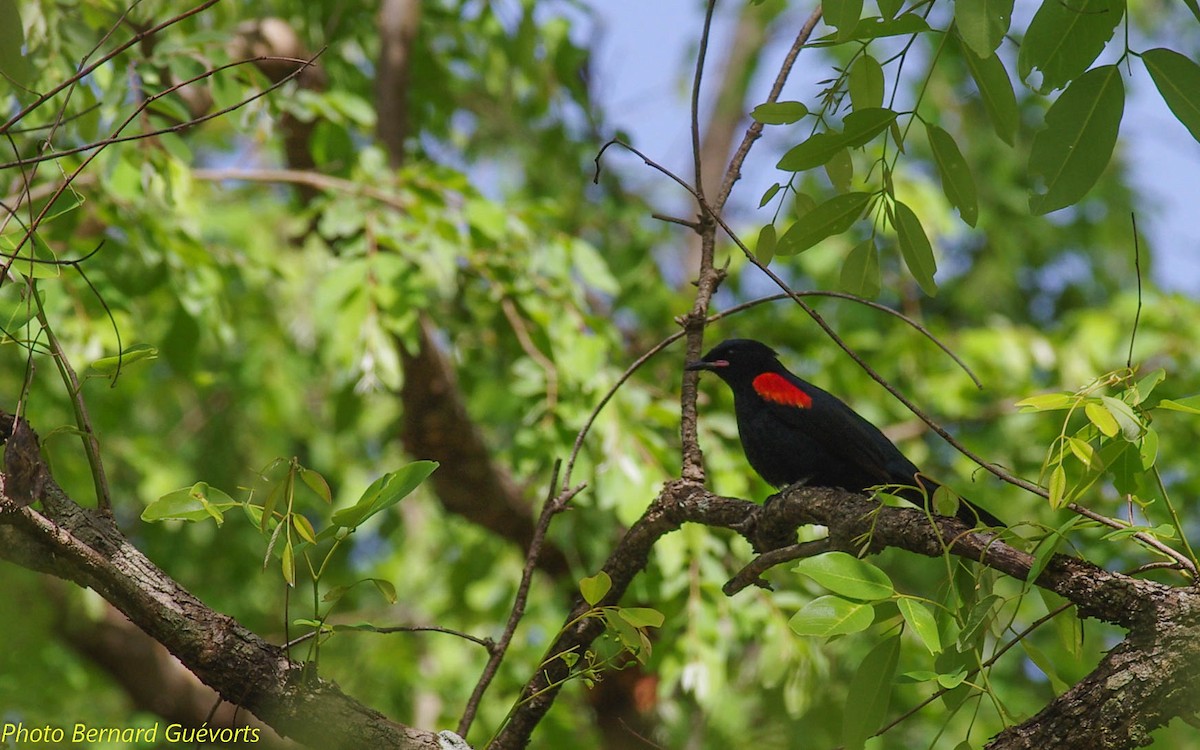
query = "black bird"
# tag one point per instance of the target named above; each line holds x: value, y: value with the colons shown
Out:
x: 792, y: 431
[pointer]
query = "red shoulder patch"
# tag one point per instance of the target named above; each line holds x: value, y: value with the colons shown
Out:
x: 777, y: 389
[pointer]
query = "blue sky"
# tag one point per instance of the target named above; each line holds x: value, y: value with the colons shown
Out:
x: 643, y: 78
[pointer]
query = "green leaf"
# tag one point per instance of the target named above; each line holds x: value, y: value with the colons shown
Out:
x: 136, y: 353
x: 1131, y: 424
x: 195, y: 503
x: 915, y: 248
x: 594, y: 588
x: 641, y: 617
x: 840, y: 169
x: 866, y: 83
x: 860, y: 272
x: 385, y: 492
x: 869, y: 694
x: 1058, y: 487
x: 847, y: 575
x: 1046, y: 664
x: 1141, y: 390
x: 1102, y: 418
x: 1063, y: 39
x: 862, y: 125
x: 1148, y: 449
x: 764, y: 249
x: 877, y: 28
x: 315, y: 482
x: 843, y: 15
x: 996, y: 91
x: 957, y: 182
x: 922, y: 621
x: 14, y: 66
x: 979, y: 619
x: 1178, y: 81
x: 834, y: 216
x: 889, y: 8
x: 385, y: 588
x: 1189, y: 405
x: 287, y: 563
x: 858, y: 128
x: 304, y: 528
x: 767, y: 196
x: 1085, y: 452
x: 982, y: 24
x: 827, y: 616
x: 1046, y: 402
x: 1070, y: 154
x: 779, y: 113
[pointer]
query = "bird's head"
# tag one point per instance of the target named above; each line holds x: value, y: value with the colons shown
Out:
x: 738, y: 360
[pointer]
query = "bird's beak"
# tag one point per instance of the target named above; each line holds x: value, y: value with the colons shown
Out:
x: 703, y: 365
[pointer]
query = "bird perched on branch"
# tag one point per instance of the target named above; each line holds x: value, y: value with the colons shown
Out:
x: 792, y: 431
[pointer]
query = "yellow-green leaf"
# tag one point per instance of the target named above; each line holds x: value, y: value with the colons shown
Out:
x: 1101, y: 417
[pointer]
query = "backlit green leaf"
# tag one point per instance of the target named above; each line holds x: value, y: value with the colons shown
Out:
x: 866, y: 83
x: 858, y: 128
x: 1069, y: 155
x: 915, y: 248
x: 595, y: 587
x: 957, y: 182
x: 860, y: 272
x: 834, y: 216
x: 827, y: 616
x: 922, y: 621
x: 1063, y: 39
x: 843, y: 15
x: 1178, y: 81
x: 847, y: 575
x: 779, y: 113
x: 764, y: 249
x: 1046, y: 402
x: 982, y: 24
x: 1099, y: 416
x: 996, y: 90
x: 840, y: 169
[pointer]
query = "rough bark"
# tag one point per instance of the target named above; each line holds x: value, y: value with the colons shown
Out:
x: 1147, y: 680
x: 86, y: 548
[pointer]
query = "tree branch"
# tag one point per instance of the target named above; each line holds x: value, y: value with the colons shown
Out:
x: 86, y: 548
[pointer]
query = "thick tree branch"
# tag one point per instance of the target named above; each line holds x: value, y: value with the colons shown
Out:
x: 86, y: 548
x: 1151, y: 673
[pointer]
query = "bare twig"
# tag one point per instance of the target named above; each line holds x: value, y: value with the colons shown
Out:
x: 553, y: 505
x: 751, y: 575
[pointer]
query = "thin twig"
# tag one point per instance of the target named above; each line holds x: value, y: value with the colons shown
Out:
x: 1141, y: 536
x: 487, y: 643
x: 554, y: 504
x: 316, y: 180
x: 984, y: 665
x: 754, y: 132
x: 701, y: 54
x: 751, y: 574
x: 85, y: 72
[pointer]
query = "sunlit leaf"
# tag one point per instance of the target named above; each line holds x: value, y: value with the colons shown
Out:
x: 827, y: 616
x: 641, y: 617
x: 982, y: 24
x: 858, y: 128
x: 847, y: 575
x: 922, y: 621
x: 594, y: 588
x: 1102, y: 418
x: 1046, y: 402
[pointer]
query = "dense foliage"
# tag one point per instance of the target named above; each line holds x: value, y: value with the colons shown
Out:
x: 269, y: 273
